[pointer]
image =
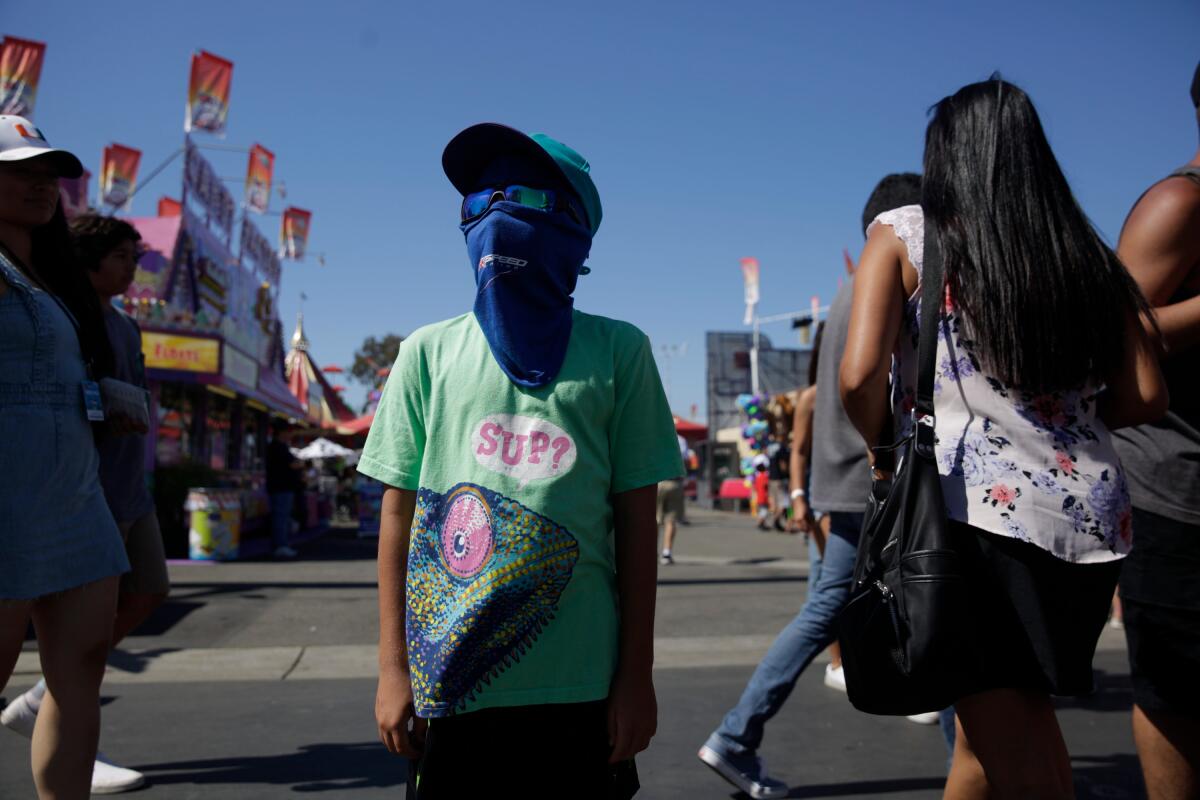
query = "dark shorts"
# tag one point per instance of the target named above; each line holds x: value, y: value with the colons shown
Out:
x: 1160, y: 598
x: 531, y: 752
x: 1035, y: 618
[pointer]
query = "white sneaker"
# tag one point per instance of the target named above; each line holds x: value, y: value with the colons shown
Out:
x: 108, y: 778
x: 18, y: 717
x: 928, y: 718
x: 835, y: 678
x: 283, y: 551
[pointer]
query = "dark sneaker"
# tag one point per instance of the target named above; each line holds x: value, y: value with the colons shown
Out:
x: 748, y: 773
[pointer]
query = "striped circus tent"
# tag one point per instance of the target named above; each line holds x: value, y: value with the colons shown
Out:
x: 322, y: 405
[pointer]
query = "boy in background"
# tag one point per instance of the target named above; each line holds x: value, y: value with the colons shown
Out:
x: 762, y: 490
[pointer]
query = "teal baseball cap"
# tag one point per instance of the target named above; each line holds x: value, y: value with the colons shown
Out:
x: 471, y: 151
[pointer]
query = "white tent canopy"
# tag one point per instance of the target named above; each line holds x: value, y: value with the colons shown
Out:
x: 323, y: 448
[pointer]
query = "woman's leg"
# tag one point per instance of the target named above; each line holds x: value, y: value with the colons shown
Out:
x: 14, y: 620
x: 966, y: 780
x: 1011, y: 738
x: 74, y: 629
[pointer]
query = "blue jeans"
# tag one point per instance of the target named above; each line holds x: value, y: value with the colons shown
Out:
x: 281, y: 517
x: 810, y: 632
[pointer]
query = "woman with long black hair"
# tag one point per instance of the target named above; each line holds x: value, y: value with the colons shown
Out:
x: 1040, y: 354
x: 60, y: 551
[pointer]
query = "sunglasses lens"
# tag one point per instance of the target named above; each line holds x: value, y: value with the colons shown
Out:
x: 476, y: 203
x: 534, y: 198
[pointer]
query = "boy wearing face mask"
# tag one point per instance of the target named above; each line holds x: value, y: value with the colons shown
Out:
x: 521, y: 445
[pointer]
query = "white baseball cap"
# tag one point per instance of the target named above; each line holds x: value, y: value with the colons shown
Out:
x: 20, y: 140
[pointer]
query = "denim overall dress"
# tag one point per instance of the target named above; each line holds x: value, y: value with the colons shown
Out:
x: 56, y: 532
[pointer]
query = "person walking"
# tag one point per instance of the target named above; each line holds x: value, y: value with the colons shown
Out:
x: 1040, y: 354
x: 669, y: 513
x: 778, y: 476
x: 285, y: 481
x: 521, y: 446
x: 840, y: 485
x: 106, y: 248
x: 761, y: 484
x: 60, y: 551
x: 1160, y: 593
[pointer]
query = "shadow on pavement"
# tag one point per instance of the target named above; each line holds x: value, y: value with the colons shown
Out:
x: 1114, y: 776
x: 313, y: 768
x: 874, y: 788
x: 137, y: 663
x: 716, y: 581
x: 165, y: 617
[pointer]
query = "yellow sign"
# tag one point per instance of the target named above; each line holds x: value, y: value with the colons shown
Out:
x: 187, y: 353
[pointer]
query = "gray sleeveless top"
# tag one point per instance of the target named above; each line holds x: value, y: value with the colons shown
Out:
x: 1162, y: 460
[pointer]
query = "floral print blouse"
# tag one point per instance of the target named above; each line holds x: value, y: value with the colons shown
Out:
x: 1036, y: 467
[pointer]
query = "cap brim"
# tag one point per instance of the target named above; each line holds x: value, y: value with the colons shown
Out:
x: 68, y: 165
x: 470, y: 152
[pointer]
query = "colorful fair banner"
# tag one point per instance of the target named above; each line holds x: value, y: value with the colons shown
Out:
x: 74, y: 194
x: 258, y: 178
x: 750, y: 283
x: 169, y: 207
x: 20, y: 68
x: 208, y: 93
x: 182, y: 353
x: 118, y: 175
x: 293, y: 237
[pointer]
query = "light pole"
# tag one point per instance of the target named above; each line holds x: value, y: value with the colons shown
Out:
x: 668, y: 352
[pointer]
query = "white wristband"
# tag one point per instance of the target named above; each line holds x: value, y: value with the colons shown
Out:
x: 797, y: 493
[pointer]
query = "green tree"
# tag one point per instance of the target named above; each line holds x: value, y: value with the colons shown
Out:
x: 374, y: 355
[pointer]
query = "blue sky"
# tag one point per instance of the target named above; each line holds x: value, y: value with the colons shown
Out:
x: 715, y: 130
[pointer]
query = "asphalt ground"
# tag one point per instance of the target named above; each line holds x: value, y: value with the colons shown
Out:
x: 255, y: 680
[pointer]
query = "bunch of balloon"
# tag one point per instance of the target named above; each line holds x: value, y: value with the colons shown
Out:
x: 755, y: 434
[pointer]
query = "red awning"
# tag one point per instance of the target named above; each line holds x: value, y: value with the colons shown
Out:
x: 357, y: 425
x: 690, y: 430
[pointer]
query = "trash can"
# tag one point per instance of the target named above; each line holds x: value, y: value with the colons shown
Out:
x: 209, y: 535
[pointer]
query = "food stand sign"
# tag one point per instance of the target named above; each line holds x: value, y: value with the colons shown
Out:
x: 182, y: 353
x: 240, y: 367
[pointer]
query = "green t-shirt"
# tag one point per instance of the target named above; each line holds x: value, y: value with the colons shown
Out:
x: 511, y: 589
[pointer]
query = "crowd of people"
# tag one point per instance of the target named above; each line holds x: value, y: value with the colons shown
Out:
x: 517, y: 551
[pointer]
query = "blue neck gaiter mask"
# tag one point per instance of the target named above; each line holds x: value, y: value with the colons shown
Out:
x: 526, y: 263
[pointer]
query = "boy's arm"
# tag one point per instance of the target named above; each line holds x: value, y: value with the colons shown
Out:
x: 393, y: 698
x: 632, y: 707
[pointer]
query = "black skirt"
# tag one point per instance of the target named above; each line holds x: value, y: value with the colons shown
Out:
x: 1035, y: 618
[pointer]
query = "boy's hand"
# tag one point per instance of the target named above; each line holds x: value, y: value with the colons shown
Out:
x: 632, y: 715
x: 394, y: 712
